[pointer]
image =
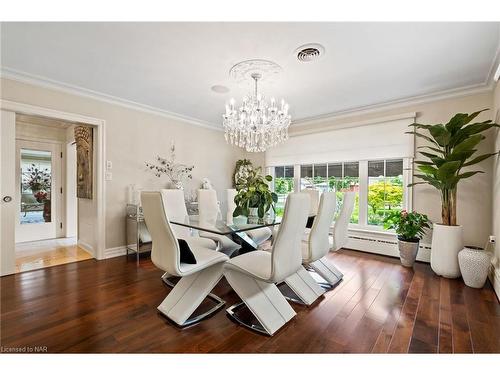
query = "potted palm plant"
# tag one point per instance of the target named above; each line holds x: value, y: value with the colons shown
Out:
x: 451, y: 148
x: 410, y: 227
x: 254, y: 198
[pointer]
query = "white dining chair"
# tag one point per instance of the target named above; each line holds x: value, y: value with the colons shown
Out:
x: 175, y: 207
x: 322, y: 266
x: 259, y: 235
x: 197, y: 279
x: 209, y: 213
x: 253, y: 275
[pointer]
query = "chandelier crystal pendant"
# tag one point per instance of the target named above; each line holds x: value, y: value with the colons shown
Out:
x: 257, y: 124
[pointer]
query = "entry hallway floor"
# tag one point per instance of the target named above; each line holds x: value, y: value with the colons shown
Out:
x: 379, y: 307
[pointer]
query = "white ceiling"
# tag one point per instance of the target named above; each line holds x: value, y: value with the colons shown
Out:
x: 172, y: 66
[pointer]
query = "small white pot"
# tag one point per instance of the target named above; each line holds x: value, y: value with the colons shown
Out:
x: 253, y: 215
x: 474, y: 265
x: 407, y: 252
x: 447, y: 241
x: 239, y: 220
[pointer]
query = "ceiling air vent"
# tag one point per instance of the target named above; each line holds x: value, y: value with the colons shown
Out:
x: 309, y: 52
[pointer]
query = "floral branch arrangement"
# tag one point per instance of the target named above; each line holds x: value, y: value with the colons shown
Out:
x: 409, y: 226
x: 175, y: 172
x: 36, y: 179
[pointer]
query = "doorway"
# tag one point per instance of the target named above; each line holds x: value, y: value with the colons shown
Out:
x: 46, y: 231
x: 91, y: 217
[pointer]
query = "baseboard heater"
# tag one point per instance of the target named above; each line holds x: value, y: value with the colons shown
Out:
x: 372, y: 244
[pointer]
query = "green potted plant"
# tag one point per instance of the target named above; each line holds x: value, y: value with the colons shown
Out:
x: 451, y: 148
x: 410, y: 227
x: 254, y: 198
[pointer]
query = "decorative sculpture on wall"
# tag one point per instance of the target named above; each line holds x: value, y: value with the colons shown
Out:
x: 84, y: 161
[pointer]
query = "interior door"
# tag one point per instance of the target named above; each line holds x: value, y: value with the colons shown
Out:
x: 38, y: 191
x: 7, y: 191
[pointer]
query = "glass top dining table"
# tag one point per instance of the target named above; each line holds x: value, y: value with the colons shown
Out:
x: 224, y: 227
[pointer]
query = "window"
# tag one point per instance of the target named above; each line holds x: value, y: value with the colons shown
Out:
x: 339, y: 177
x: 283, y: 185
x: 379, y: 186
x: 385, y: 189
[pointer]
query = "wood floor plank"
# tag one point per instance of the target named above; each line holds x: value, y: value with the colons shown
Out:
x: 462, y: 340
x: 404, y: 328
x: 425, y: 334
x: 445, y: 344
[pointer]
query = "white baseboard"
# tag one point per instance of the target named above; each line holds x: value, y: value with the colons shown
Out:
x: 115, y: 252
x: 383, y: 244
x: 494, y: 276
x: 87, y: 247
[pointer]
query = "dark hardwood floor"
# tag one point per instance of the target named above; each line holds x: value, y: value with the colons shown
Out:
x: 380, y: 307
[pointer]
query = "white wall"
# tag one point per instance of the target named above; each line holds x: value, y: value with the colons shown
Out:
x: 133, y: 137
x: 474, y: 195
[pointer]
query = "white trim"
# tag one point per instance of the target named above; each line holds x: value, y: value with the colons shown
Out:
x: 115, y: 252
x: 494, y: 276
x: 36, y: 80
x: 101, y: 156
x: 481, y: 88
x: 87, y: 247
x: 39, y: 81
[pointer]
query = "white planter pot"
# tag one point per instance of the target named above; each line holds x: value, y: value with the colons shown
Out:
x: 407, y: 252
x: 474, y: 265
x: 253, y: 215
x: 447, y: 241
x: 239, y: 220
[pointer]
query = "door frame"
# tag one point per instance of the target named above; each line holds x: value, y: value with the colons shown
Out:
x: 100, y: 147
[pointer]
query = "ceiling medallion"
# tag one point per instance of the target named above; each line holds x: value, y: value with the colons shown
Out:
x: 257, y: 124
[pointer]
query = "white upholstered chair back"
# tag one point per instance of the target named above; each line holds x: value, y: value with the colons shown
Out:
x: 208, y: 207
x: 319, y: 243
x: 314, y: 196
x: 287, y: 251
x: 175, y: 208
x: 165, y: 253
x: 342, y: 223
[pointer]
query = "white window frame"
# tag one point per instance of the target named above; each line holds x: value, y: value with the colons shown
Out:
x: 363, y: 189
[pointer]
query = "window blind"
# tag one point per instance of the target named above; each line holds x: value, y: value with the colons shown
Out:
x: 379, y: 139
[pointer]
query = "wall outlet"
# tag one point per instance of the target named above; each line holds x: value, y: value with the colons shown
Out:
x: 109, y: 176
x: 109, y: 164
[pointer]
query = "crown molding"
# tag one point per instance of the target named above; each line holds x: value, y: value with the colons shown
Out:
x: 47, y: 83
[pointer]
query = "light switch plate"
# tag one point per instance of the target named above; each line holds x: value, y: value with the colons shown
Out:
x: 109, y: 164
x: 109, y: 176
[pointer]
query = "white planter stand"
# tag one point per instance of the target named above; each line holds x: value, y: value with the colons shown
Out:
x: 447, y: 241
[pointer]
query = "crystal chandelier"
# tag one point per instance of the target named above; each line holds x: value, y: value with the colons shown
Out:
x: 257, y: 124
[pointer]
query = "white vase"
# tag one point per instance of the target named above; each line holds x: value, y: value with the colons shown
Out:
x: 408, y: 252
x: 253, y: 215
x: 447, y: 241
x: 240, y: 220
x: 474, y: 265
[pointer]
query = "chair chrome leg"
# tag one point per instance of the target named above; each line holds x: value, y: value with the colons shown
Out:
x: 321, y: 281
x: 289, y: 294
x: 170, y: 282
x: 197, y: 318
x: 255, y: 326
